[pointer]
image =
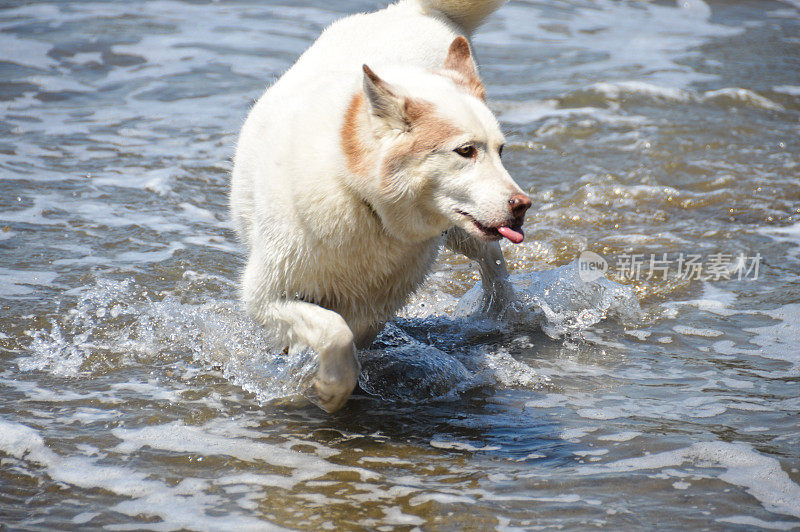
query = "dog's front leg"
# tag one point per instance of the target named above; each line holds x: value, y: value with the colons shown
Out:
x: 497, y: 290
x: 324, y: 331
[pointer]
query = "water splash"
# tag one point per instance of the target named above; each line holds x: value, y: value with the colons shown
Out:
x: 117, y: 323
x: 559, y: 301
x: 399, y: 367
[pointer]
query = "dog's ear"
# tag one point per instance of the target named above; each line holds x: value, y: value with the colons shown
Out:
x: 459, y: 59
x: 385, y: 101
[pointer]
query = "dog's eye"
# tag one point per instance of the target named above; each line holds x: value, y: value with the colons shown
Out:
x: 500, y: 150
x: 467, y: 151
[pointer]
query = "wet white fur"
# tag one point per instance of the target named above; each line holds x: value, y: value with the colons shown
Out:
x: 309, y: 223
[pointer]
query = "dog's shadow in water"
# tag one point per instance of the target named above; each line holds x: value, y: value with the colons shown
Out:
x: 478, y: 421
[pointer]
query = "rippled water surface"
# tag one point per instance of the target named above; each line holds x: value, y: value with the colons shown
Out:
x: 135, y: 394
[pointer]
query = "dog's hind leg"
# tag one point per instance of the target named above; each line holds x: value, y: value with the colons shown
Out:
x: 324, y: 331
x: 367, y: 338
x: 497, y: 291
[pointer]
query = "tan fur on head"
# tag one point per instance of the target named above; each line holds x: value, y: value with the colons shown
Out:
x: 424, y: 131
x: 428, y: 132
x: 357, y: 152
x: 460, y: 67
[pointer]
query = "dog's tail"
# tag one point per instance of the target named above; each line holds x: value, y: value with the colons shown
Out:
x: 469, y: 14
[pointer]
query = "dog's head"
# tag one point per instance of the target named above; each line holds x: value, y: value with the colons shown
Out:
x: 424, y: 151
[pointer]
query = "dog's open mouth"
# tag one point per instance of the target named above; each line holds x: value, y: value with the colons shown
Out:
x: 512, y: 231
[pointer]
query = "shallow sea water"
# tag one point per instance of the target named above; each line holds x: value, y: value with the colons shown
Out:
x: 135, y: 393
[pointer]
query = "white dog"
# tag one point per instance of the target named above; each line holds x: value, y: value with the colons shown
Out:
x: 348, y: 178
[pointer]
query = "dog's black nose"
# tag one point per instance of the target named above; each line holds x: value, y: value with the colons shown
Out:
x: 519, y: 204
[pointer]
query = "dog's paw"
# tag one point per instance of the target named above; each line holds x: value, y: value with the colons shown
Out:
x: 330, y: 395
x: 337, y: 375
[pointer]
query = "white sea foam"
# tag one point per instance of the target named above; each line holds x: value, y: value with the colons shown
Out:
x: 590, y: 452
x: 740, y: 97
x: 28, y: 52
x: 509, y: 372
x: 756, y: 523
x: 789, y: 234
x: 16, y: 283
x: 144, y: 496
x: 226, y: 439
x: 776, y: 342
x: 441, y: 498
x: 761, y: 476
x: 395, y: 516
x: 575, y: 434
x: 691, y: 407
x: 589, y: 102
x: 162, y: 253
x: 792, y: 90
x: 697, y: 8
x: 527, y: 112
x: 695, y: 331
x: 620, y: 437
x: 715, y: 300
x: 618, y: 407
x: 780, y: 341
x: 619, y: 90
x: 639, y: 335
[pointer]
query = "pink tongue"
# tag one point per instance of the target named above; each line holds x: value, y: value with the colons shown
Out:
x: 515, y: 236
